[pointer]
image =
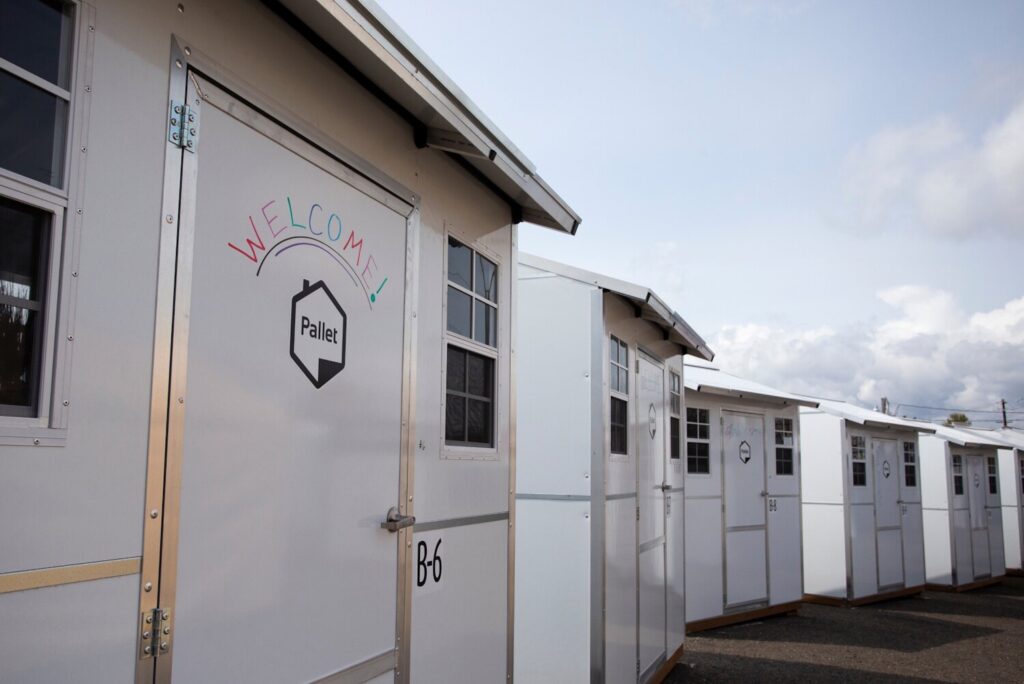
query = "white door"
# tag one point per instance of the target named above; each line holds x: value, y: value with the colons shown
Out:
x: 913, y: 522
x: 888, y: 514
x: 651, y: 425
x: 286, y: 408
x: 976, y: 495
x: 743, y: 457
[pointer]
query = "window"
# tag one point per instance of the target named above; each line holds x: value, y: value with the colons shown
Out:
x: 858, y: 460
x: 698, y: 441
x: 472, y: 294
x: 993, y: 475
x: 618, y: 382
x: 35, y: 78
x: 36, y: 41
x: 783, y: 446
x: 469, y: 401
x: 674, y: 404
x: 472, y: 324
x: 958, y: 475
x: 910, y: 464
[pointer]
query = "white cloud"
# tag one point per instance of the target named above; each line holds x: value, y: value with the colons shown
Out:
x: 931, y: 174
x: 928, y: 352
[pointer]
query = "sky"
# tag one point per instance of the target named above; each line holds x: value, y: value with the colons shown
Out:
x: 831, y: 193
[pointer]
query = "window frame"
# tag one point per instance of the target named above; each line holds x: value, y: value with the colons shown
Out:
x: 992, y: 471
x: 956, y: 468
x: 47, y: 423
x: 791, y: 447
x: 675, y: 421
x: 698, y: 440
x: 909, y: 465
x: 472, y: 452
x: 862, y: 461
x: 613, y: 339
x: 472, y: 294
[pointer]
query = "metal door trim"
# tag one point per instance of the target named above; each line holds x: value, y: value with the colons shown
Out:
x: 170, y: 348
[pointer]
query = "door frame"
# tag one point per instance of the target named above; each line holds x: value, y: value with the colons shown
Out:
x: 766, y: 601
x: 880, y: 588
x: 643, y: 355
x: 192, y: 75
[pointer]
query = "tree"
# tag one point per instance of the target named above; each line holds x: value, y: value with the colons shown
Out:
x: 956, y: 419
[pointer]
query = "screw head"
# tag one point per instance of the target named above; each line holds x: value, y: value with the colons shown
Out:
x: 154, y: 513
x: 174, y: 121
x: 88, y: 89
x: 66, y: 402
x: 149, y: 619
x: 79, y: 212
x: 181, y: 8
x: 167, y: 630
x: 147, y: 650
x: 148, y: 587
x: 163, y: 645
x: 146, y: 634
x: 36, y: 442
x: 165, y: 615
x: 177, y: 109
x: 71, y: 338
x: 188, y: 51
x: 83, y: 149
x: 74, y: 274
x: 178, y: 63
x: 169, y: 218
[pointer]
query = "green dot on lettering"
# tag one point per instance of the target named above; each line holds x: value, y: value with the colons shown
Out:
x: 373, y: 297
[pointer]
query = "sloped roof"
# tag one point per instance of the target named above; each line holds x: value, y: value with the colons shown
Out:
x: 650, y: 306
x: 443, y: 117
x: 710, y: 380
x: 869, y: 418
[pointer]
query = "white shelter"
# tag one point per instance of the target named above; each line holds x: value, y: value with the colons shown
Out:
x: 862, y: 524
x: 256, y: 273
x: 599, y: 544
x: 1011, y: 495
x: 963, y: 522
x: 742, y: 499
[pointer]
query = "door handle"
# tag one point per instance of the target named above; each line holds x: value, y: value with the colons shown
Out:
x: 396, y: 521
x: 665, y: 487
x: 764, y: 494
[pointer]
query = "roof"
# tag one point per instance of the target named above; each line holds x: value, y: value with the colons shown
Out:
x: 1012, y: 436
x: 870, y: 418
x: 977, y: 437
x: 443, y: 117
x: 649, y: 305
x: 710, y: 380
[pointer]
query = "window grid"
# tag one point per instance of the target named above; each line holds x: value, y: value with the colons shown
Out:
x: 698, y: 441
x: 858, y: 456
x: 783, y: 446
x: 675, y: 402
x: 618, y: 384
x: 958, y: 475
x: 471, y: 321
x: 993, y: 475
x: 910, y: 464
x: 472, y: 295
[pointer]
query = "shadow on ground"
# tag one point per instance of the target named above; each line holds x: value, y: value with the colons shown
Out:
x: 865, y: 627
x: 1004, y: 600
x: 710, y: 667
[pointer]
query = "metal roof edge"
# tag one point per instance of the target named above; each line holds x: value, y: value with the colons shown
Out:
x: 755, y: 396
x: 626, y: 289
x: 372, y: 26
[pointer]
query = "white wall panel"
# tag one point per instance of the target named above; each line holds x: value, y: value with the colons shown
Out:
x: 913, y: 546
x: 785, y: 571
x: 552, y: 601
x: 862, y: 545
x: 821, y: 471
x: 938, y: 552
x: 824, y: 550
x: 620, y: 591
x: 704, y: 588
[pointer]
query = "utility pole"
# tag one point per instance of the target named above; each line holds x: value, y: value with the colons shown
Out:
x: 1003, y: 402
x: 885, y: 405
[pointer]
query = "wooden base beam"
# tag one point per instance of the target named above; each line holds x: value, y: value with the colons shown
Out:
x: 747, y: 616
x: 863, y: 600
x: 666, y: 668
x: 992, y: 581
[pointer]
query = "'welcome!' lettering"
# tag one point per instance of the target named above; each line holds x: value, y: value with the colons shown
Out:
x: 315, y: 225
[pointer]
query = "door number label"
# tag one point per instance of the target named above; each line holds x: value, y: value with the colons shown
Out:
x: 773, y: 505
x: 429, y: 568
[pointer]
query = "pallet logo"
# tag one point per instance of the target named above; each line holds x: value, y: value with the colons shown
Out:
x: 744, y: 451
x: 319, y: 327
x: 886, y: 469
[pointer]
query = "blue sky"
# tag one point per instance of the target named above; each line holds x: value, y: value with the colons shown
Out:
x: 796, y: 177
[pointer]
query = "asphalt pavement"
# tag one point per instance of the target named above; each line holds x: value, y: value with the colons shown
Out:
x: 975, y: 636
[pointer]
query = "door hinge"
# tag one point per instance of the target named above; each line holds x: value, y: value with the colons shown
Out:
x: 154, y: 633
x: 182, y: 126
x: 638, y: 669
x: 638, y: 514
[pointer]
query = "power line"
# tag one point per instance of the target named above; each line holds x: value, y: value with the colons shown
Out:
x: 953, y: 409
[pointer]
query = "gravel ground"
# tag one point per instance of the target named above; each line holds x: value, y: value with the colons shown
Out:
x: 976, y: 636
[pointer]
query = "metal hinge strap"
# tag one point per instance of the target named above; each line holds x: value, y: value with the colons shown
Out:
x: 182, y: 126
x: 154, y: 633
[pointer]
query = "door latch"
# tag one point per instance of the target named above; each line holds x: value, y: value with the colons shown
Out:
x: 396, y: 521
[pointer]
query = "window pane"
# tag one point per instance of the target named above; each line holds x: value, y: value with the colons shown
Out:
x: 613, y: 351
x: 460, y: 307
x: 619, y: 440
x: 455, y: 419
x: 480, y: 422
x: 460, y: 264
x: 456, y: 369
x: 624, y: 381
x: 486, y: 278
x: 18, y: 331
x: 486, y: 324
x: 32, y: 131
x: 22, y: 241
x: 674, y: 438
x: 702, y: 432
x: 36, y: 35
x: 481, y: 376
x: 613, y: 377
x: 860, y: 474
x: 691, y: 415
x: 910, y: 475
x: 783, y: 461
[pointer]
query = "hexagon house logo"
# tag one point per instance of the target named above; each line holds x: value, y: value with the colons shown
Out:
x: 318, y: 333
x: 744, y: 452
